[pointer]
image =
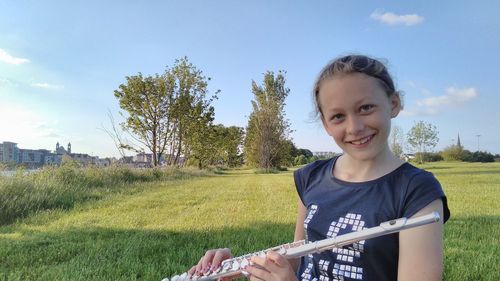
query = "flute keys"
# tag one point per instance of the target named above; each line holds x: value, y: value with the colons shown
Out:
x: 181, y: 277
x: 235, y: 265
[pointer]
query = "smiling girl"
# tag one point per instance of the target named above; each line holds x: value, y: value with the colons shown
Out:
x: 366, y: 185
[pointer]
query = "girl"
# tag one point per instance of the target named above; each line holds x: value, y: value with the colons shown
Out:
x: 356, y: 99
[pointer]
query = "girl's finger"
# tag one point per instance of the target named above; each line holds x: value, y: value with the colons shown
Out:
x: 278, y: 259
x: 257, y: 273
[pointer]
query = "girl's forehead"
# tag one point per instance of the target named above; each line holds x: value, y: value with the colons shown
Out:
x: 357, y: 83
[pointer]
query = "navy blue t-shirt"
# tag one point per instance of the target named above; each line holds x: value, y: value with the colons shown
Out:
x: 335, y: 207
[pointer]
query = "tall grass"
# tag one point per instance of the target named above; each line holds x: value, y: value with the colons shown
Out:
x: 23, y: 194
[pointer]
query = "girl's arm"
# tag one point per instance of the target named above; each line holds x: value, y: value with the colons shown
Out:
x: 299, y: 230
x: 421, y: 249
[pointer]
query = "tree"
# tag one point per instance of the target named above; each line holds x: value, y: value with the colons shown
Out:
x: 396, y: 141
x: 145, y: 100
x: 300, y: 160
x: 421, y: 137
x: 222, y: 147
x: 266, y: 144
x: 168, y: 113
x: 452, y: 153
x: 192, y: 113
x: 231, y: 140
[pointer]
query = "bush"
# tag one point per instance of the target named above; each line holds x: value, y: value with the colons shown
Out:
x: 478, y: 156
x: 452, y: 153
x: 428, y: 157
x: 300, y: 160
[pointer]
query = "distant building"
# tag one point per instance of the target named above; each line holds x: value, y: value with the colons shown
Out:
x: 60, y: 149
x: 458, y: 141
x: 81, y: 158
x: 9, y: 152
x: 33, y: 158
x: 143, y: 157
x: 324, y: 154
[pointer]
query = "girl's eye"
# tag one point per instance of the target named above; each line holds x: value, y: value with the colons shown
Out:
x: 337, y: 117
x: 366, y: 108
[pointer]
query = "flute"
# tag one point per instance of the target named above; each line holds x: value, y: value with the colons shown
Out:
x: 235, y: 266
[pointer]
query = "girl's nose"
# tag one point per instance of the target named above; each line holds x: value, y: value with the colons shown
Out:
x: 354, y: 125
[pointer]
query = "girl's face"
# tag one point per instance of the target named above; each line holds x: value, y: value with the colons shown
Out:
x: 357, y: 112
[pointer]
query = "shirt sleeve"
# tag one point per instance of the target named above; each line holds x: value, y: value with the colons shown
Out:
x: 299, y: 184
x: 422, y: 189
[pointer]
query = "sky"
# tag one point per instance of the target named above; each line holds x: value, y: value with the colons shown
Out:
x: 60, y: 62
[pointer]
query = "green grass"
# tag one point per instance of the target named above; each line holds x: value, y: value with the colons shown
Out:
x: 472, y: 236
x: 163, y: 227
x: 62, y: 187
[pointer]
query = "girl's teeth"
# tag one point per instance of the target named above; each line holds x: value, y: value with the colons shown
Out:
x: 365, y: 140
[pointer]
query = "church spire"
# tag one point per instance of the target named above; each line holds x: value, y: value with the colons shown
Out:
x: 458, y: 141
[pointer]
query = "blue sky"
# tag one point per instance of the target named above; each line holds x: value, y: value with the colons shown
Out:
x: 60, y: 61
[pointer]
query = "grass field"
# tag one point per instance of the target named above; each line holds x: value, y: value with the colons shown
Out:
x: 164, y: 226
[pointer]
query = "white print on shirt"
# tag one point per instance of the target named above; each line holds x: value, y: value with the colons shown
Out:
x: 310, y: 213
x: 306, y: 275
x: 342, y: 266
x: 346, y: 255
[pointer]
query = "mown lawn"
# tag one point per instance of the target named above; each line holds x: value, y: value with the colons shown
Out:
x: 166, y: 227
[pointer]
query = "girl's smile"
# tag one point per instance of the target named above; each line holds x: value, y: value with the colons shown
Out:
x: 361, y: 142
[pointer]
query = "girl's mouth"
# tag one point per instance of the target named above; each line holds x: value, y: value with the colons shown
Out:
x: 362, y: 141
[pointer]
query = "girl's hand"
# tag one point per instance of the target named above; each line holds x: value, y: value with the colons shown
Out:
x: 274, y: 267
x: 210, y: 261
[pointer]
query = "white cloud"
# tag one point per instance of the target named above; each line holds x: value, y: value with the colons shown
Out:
x: 47, y: 86
x: 453, y: 98
x: 8, y: 58
x: 393, y: 19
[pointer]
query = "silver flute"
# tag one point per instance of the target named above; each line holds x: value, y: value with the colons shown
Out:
x: 236, y: 266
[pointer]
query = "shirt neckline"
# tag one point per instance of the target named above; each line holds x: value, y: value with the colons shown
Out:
x: 350, y: 183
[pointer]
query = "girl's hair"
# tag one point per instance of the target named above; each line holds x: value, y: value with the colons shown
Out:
x: 354, y: 64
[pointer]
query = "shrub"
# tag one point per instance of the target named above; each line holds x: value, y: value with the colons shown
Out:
x: 452, y: 153
x: 478, y: 156
x: 300, y: 160
x: 428, y: 157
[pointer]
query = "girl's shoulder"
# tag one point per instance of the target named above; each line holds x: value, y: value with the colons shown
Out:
x: 411, y: 173
x: 318, y: 169
x: 317, y: 166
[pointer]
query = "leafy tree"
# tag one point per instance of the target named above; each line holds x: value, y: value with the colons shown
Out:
x: 228, y: 145
x: 452, y: 153
x: 145, y: 100
x: 421, y: 137
x: 266, y: 144
x: 231, y: 146
x: 191, y: 113
x: 167, y: 113
x: 396, y: 141
x: 312, y: 159
x: 306, y: 152
x: 300, y: 160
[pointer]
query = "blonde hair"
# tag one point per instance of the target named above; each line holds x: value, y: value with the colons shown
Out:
x: 355, y: 64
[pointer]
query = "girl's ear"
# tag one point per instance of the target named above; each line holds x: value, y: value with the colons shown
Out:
x: 395, y: 105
